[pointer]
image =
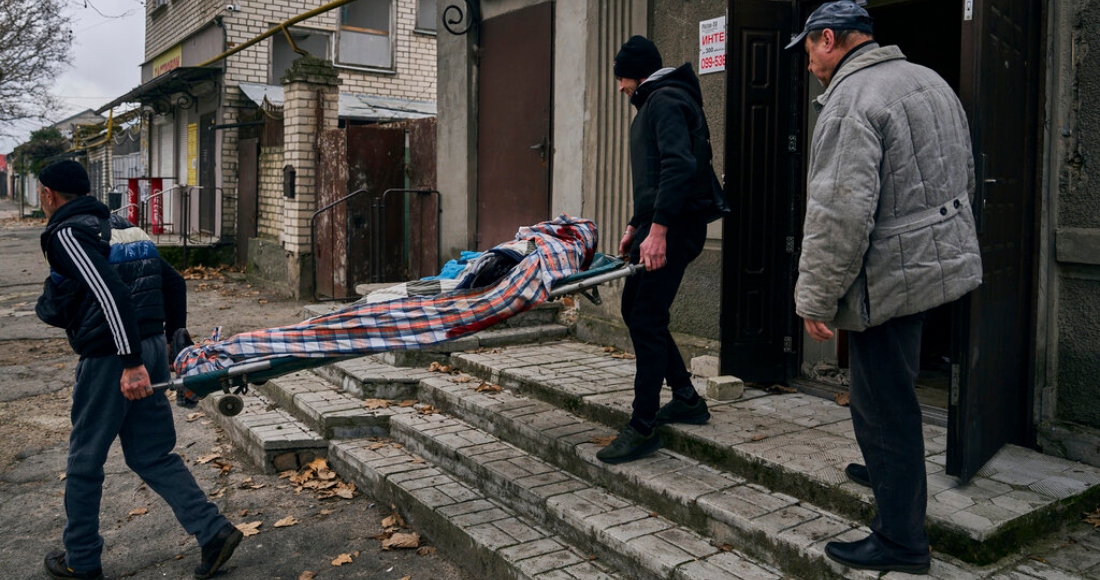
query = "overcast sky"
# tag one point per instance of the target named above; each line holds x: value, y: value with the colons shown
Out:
x: 108, y: 49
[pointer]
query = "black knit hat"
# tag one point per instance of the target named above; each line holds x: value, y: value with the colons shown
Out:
x: 637, y: 59
x: 66, y: 176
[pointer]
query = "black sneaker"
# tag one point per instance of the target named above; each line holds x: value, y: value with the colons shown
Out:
x: 628, y: 446
x: 57, y: 568
x: 858, y: 473
x: 217, y: 551
x: 677, y: 411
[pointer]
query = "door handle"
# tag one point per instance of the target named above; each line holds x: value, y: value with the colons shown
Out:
x: 541, y: 147
x: 979, y: 197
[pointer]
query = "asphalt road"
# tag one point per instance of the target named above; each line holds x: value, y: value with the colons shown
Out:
x: 142, y: 538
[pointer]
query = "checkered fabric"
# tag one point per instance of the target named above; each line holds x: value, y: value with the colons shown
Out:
x: 564, y: 246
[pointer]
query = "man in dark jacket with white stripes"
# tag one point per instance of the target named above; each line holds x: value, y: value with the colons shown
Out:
x: 671, y: 170
x: 116, y: 298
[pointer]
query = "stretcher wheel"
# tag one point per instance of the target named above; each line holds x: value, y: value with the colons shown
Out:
x: 230, y: 405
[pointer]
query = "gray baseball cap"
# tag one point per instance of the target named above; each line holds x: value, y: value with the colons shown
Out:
x: 841, y: 15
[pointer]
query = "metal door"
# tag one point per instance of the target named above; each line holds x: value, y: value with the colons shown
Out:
x: 330, y: 233
x: 376, y: 162
x: 763, y: 181
x: 208, y: 211
x: 248, y: 198
x: 990, y: 400
x: 513, y: 123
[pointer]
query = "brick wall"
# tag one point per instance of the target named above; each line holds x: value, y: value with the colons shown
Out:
x: 414, y: 71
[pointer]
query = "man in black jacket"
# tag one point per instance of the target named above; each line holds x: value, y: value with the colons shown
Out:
x: 116, y: 298
x: 670, y: 163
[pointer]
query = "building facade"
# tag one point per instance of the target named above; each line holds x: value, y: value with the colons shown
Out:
x: 1013, y: 363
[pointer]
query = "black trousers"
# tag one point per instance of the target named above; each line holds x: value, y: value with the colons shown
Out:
x: 647, y: 300
x: 886, y: 416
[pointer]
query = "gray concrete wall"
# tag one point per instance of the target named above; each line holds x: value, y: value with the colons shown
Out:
x: 1068, y: 410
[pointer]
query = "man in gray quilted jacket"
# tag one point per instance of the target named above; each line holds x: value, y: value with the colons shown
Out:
x: 889, y: 234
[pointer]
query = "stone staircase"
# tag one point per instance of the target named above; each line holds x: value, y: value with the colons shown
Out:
x: 493, y: 458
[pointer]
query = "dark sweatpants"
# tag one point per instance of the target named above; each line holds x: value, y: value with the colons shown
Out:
x: 148, y: 435
x: 647, y: 299
x: 886, y: 416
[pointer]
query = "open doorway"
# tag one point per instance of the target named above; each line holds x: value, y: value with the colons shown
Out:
x: 929, y: 32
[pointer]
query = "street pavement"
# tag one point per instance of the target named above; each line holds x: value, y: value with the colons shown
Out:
x: 325, y: 538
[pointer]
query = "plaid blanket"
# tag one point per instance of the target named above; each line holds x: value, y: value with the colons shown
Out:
x: 563, y: 246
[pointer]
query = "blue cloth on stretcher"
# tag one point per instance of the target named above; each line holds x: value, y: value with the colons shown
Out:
x: 454, y: 268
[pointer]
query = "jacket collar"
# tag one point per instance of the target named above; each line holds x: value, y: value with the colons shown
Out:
x: 865, y: 56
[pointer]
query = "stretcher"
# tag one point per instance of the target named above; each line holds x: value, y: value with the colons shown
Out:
x: 234, y: 380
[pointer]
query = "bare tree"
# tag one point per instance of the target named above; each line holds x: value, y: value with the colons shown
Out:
x: 35, y: 41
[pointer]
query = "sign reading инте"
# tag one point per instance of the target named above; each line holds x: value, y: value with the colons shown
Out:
x: 712, y: 45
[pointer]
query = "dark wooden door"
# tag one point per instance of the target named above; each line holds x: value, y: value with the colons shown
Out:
x: 248, y: 195
x: 513, y: 123
x: 763, y: 181
x: 990, y: 401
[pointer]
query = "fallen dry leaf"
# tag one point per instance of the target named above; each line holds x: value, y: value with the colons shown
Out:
x: 195, y: 416
x: 376, y: 404
x: 286, y: 522
x: 428, y: 410
x: 759, y: 437
x: 307, y: 575
x: 841, y: 399
x: 462, y: 379
x: 251, y: 528
x: 623, y: 355
x: 407, y: 403
x: 405, y: 578
x: 402, y: 540
x: 217, y: 494
x: 379, y: 445
x: 207, y: 458
x: 137, y: 512
x: 602, y: 441
x: 393, y: 520
x: 488, y: 387
x: 342, y: 559
x: 425, y: 551
x: 417, y: 460
x: 1093, y: 518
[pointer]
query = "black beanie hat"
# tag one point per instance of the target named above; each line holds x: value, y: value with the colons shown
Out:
x: 66, y: 176
x: 637, y: 59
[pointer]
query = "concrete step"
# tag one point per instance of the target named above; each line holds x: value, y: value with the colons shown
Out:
x: 487, y: 537
x: 271, y: 437
x: 640, y: 542
x: 798, y: 445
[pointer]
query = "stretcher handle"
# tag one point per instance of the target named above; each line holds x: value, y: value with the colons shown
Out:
x: 218, y: 375
x: 626, y: 271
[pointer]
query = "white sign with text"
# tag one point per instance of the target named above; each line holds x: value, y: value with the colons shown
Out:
x: 712, y: 45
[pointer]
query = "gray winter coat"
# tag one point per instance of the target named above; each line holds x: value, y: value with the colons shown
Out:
x: 889, y: 230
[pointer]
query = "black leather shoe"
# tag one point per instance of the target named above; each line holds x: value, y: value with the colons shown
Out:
x: 58, y: 569
x: 629, y: 445
x: 217, y: 551
x: 866, y: 554
x: 677, y: 411
x: 858, y: 474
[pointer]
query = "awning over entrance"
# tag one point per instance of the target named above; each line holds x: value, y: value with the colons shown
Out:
x: 352, y: 106
x: 163, y: 88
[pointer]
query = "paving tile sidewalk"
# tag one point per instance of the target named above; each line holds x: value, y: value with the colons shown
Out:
x: 799, y: 433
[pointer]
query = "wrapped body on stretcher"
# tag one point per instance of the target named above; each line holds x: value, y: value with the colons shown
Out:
x: 550, y: 259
